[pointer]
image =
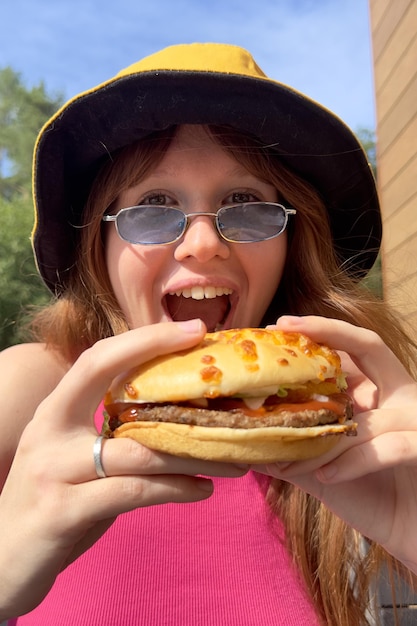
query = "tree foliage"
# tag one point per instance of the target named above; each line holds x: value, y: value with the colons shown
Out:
x: 23, y: 112
x: 20, y: 285
x: 367, y: 139
x: 373, y: 280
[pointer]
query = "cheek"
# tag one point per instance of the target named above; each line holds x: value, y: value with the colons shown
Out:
x: 265, y: 273
x: 266, y: 264
x: 134, y: 278
x: 127, y: 267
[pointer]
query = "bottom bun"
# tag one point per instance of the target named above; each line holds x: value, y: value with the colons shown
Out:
x: 236, y: 445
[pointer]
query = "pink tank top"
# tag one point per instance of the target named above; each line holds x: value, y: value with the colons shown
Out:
x: 220, y: 562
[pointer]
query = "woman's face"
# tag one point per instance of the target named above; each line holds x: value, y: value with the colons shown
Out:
x: 227, y: 285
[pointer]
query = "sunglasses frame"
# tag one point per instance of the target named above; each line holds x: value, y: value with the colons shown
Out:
x: 188, y: 216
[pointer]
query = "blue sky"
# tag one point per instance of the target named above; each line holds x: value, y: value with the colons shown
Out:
x: 320, y: 47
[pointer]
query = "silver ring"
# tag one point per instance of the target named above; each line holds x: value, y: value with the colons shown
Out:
x: 97, y: 449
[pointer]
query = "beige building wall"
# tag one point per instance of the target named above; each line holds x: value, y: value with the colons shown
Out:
x: 394, y: 43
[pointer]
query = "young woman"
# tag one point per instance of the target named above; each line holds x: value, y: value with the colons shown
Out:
x: 192, y: 153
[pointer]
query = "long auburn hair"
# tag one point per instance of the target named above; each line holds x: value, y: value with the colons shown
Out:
x: 330, y: 556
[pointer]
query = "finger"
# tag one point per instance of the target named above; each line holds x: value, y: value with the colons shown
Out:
x: 75, y: 462
x: 104, y: 499
x: 64, y: 517
x: 77, y: 396
x: 389, y: 450
x: 385, y: 439
x: 126, y: 456
x: 365, y: 347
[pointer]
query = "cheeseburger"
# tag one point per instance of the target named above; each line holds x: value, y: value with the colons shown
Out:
x: 248, y: 396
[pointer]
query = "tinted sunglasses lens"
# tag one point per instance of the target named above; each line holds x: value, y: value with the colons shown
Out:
x: 151, y: 224
x: 252, y: 222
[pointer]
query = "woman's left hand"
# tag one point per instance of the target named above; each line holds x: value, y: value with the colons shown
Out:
x: 370, y: 480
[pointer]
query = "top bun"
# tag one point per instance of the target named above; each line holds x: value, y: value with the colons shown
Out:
x: 248, y: 362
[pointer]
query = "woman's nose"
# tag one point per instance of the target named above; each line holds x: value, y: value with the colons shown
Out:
x: 201, y: 240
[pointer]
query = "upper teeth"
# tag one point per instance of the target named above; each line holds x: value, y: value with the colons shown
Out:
x: 199, y: 293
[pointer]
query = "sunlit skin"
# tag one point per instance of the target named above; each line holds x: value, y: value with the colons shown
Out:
x: 196, y: 175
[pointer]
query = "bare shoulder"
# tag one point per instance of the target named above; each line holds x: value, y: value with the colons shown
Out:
x: 29, y: 367
x: 29, y: 373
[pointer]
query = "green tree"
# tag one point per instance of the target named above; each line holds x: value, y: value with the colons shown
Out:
x: 23, y: 112
x: 373, y: 280
x: 367, y: 139
x: 20, y: 285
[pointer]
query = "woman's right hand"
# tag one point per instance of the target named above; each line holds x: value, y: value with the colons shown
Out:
x: 53, y: 506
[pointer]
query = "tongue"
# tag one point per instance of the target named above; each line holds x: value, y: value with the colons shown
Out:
x: 212, y: 311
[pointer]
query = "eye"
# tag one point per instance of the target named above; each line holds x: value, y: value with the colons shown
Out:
x: 157, y: 199
x: 240, y: 197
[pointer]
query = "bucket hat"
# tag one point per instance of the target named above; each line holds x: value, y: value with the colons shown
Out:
x: 198, y: 84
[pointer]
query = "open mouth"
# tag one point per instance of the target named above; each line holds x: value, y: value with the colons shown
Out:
x: 210, y: 304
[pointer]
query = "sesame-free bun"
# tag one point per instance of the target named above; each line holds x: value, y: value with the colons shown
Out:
x: 247, y: 361
x: 235, y: 445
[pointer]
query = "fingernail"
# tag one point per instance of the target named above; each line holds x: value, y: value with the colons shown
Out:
x: 289, y: 319
x: 191, y: 326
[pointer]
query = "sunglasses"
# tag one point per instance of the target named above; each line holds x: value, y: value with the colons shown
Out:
x: 237, y: 223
